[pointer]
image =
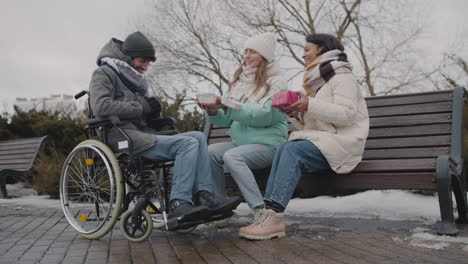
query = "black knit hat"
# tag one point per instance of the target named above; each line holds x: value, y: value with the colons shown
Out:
x: 137, y: 45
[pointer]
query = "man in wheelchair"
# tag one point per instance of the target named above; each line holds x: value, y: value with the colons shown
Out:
x: 118, y: 91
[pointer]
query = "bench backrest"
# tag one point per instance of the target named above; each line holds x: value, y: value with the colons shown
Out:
x: 19, y: 154
x: 407, y: 133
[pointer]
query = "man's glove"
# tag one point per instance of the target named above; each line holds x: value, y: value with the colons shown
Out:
x: 155, y: 105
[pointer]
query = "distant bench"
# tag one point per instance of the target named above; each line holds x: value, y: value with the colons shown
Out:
x: 17, y: 158
x: 415, y: 142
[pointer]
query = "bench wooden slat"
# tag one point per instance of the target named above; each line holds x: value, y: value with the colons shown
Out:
x: 14, y: 161
x: 24, y: 147
x: 386, y: 132
x: 365, y: 181
x: 18, y: 167
x: 17, y: 156
x: 427, y: 141
x: 17, y: 151
x: 410, y: 120
x: 433, y: 124
x: 441, y: 107
x: 424, y: 130
x: 397, y: 137
x: 402, y: 153
x: 17, y: 142
x: 20, y: 145
x: 405, y: 99
x: 396, y: 165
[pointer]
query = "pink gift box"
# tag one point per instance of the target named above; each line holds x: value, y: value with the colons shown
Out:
x: 284, y: 99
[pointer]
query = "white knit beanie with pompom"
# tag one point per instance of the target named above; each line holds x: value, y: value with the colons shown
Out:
x: 264, y: 44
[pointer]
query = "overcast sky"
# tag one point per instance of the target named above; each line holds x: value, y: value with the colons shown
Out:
x: 50, y: 46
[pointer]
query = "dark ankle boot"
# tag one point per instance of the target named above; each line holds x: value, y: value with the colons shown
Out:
x: 217, y: 205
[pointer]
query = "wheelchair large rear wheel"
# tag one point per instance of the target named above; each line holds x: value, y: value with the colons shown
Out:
x: 91, y: 189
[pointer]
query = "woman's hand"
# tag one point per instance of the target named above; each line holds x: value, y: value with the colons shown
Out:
x: 211, y: 108
x: 302, y: 105
x: 288, y: 112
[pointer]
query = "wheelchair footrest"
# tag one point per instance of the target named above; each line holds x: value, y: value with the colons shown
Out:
x: 180, y: 223
x: 174, y: 224
x: 220, y: 216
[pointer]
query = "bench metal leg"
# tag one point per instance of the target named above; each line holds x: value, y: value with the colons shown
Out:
x: 3, y: 177
x: 459, y: 188
x: 444, y: 190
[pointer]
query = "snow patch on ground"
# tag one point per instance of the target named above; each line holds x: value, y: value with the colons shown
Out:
x: 395, y: 205
x: 33, y: 200
x: 18, y: 189
x: 421, y: 237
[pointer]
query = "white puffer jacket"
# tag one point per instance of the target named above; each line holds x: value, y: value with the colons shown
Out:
x: 337, y: 122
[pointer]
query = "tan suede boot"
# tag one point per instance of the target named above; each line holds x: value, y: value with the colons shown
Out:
x: 257, y: 213
x: 270, y: 224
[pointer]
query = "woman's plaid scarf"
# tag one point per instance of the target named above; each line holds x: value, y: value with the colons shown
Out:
x: 323, y: 68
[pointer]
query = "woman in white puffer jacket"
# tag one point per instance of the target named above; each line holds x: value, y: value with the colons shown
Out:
x: 332, y: 122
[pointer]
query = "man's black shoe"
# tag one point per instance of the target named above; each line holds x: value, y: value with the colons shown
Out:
x: 216, y: 205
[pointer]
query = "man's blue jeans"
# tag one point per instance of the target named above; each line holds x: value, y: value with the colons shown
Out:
x: 290, y: 160
x: 192, y: 170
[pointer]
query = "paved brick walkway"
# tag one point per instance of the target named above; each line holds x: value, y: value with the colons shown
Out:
x: 42, y: 235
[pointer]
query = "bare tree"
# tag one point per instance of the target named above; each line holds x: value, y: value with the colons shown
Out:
x: 199, y: 41
x: 379, y: 41
x: 193, y: 49
x: 451, y: 71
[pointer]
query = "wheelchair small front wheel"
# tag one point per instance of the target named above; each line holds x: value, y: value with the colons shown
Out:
x: 136, y: 229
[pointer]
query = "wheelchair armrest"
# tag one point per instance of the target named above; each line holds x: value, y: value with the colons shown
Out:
x: 102, y: 121
x: 159, y: 123
x: 97, y: 122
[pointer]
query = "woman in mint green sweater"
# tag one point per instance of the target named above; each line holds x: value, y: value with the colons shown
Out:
x: 256, y: 128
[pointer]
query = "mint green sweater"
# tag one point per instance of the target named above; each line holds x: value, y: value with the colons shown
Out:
x: 252, y: 124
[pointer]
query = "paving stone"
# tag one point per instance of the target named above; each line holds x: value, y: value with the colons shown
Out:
x: 96, y: 255
x: 43, y: 236
x: 74, y: 260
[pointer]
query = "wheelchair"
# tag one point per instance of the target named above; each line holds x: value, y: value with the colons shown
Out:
x: 99, y: 187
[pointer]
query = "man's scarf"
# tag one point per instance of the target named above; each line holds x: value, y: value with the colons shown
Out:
x: 135, y: 81
x: 323, y: 68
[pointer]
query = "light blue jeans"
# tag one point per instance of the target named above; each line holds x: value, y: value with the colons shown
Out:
x: 239, y: 160
x: 291, y: 159
x: 191, y: 167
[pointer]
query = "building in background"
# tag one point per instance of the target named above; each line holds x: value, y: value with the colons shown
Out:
x: 60, y: 102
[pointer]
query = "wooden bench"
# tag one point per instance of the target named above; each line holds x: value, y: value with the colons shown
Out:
x: 17, y: 158
x: 415, y: 142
